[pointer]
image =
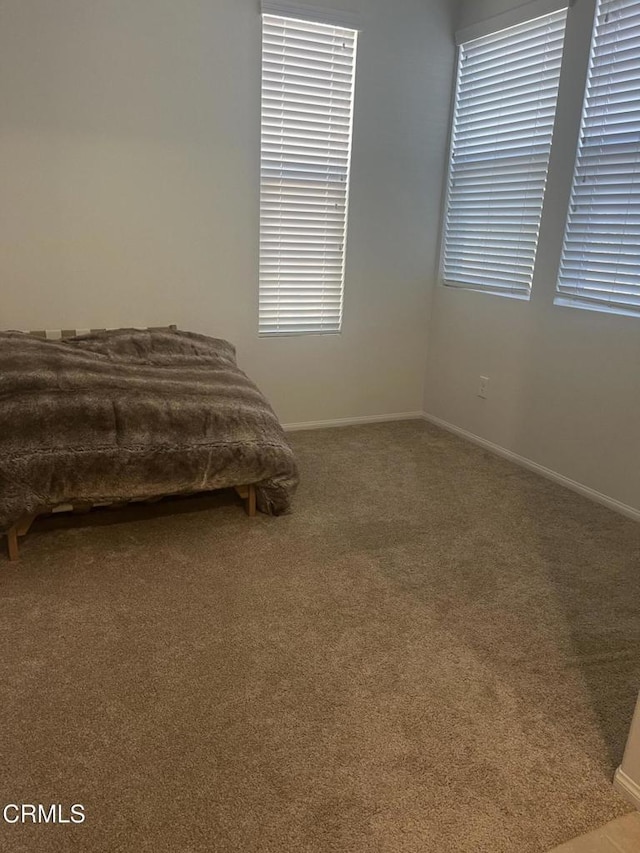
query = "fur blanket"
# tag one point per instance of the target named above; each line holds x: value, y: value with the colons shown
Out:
x: 132, y: 414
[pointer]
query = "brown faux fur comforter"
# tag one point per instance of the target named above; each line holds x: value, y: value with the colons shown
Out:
x: 132, y: 414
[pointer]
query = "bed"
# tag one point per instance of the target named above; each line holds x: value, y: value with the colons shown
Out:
x: 131, y: 415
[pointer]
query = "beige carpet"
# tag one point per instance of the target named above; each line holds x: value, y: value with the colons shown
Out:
x: 436, y: 652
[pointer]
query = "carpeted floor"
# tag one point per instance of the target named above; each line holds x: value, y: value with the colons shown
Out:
x: 436, y: 652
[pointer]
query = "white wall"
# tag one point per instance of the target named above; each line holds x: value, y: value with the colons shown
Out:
x: 129, y: 175
x: 628, y: 774
x: 564, y: 383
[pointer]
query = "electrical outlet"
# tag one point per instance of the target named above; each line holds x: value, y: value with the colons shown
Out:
x: 483, y: 387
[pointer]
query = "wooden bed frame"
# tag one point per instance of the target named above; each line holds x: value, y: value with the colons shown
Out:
x: 246, y: 491
x: 23, y: 525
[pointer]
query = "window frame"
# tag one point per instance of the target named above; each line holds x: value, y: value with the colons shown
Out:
x: 309, y: 16
x: 562, y: 299
x: 528, y: 12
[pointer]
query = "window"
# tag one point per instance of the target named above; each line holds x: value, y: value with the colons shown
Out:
x: 307, y: 110
x: 600, y: 264
x: 504, y: 111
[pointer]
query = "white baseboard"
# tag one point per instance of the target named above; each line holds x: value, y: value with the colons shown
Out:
x: 586, y: 491
x: 366, y: 419
x: 629, y: 788
x: 580, y: 488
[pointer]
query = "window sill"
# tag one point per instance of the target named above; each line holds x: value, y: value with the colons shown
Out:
x: 521, y: 297
x: 298, y: 334
x: 568, y: 302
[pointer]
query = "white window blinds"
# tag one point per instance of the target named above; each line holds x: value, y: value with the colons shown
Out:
x: 307, y: 108
x: 601, y: 255
x: 504, y: 112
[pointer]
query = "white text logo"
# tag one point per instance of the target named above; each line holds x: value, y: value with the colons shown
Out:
x: 54, y: 813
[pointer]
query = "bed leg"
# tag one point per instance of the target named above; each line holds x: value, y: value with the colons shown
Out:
x: 248, y: 495
x: 251, y: 501
x: 20, y: 528
x: 12, y: 543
